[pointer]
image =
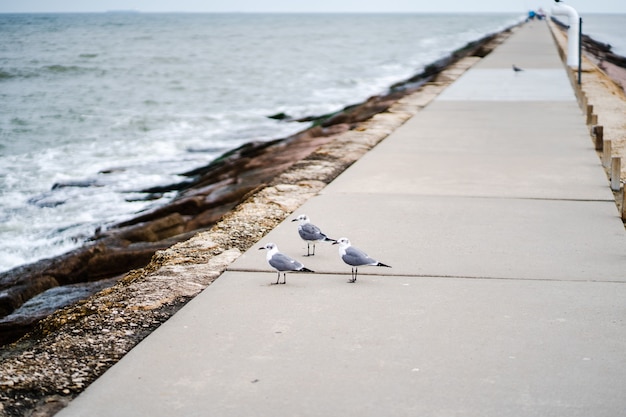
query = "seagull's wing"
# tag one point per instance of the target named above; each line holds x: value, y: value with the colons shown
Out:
x: 282, y: 262
x: 356, y: 257
x: 309, y: 231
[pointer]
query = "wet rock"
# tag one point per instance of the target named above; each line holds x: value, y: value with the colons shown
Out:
x: 145, y: 197
x: 160, y: 190
x: 280, y: 116
x: 76, y: 183
x: 46, y: 200
x: 23, y: 319
x: 145, y: 229
x: 117, y: 261
x: 17, y: 294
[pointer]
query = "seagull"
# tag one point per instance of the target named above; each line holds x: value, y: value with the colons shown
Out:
x: 516, y: 68
x: 355, y: 257
x: 282, y: 263
x: 310, y: 233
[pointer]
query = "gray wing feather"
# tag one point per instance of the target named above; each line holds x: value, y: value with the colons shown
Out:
x: 311, y: 232
x: 282, y: 262
x: 356, y: 257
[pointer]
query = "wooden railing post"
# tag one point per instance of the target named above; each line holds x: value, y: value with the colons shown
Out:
x: 616, y: 172
x: 598, y: 136
x: 606, y: 153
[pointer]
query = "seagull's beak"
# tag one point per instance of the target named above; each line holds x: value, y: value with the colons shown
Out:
x: 294, y: 220
x: 262, y: 248
x: 335, y: 243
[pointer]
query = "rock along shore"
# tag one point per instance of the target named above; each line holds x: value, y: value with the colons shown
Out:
x: 66, y: 351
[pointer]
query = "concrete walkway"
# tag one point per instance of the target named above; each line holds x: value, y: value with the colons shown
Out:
x: 507, y: 295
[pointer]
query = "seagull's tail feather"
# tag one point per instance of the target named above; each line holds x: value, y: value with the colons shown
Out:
x: 382, y: 264
x: 303, y: 269
x: 327, y: 239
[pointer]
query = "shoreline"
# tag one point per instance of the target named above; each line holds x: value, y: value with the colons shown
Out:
x: 72, y: 347
x: 67, y: 349
x: 203, y: 199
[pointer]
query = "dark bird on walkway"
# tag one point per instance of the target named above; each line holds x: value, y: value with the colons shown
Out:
x: 310, y: 233
x: 282, y: 263
x: 355, y: 257
x: 516, y: 68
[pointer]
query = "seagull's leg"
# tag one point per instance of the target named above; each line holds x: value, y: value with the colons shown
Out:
x: 352, y: 275
x: 284, y: 277
x: 278, y: 278
x: 313, y: 254
x: 308, y: 248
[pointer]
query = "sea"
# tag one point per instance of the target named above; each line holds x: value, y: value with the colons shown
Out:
x: 97, y: 108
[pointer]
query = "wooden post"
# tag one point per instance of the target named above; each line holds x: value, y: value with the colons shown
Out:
x: 589, y: 113
x: 616, y: 172
x: 624, y: 205
x: 598, y: 136
x: 606, y: 153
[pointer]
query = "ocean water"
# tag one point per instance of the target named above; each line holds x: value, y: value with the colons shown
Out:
x: 95, y: 108
x: 607, y: 28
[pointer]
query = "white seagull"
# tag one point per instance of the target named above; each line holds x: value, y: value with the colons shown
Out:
x: 355, y: 257
x: 282, y: 263
x: 310, y: 233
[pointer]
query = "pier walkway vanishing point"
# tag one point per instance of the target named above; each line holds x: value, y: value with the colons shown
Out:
x: 506, y: 296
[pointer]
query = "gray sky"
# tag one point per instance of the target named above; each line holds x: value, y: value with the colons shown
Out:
x: 583, y: 6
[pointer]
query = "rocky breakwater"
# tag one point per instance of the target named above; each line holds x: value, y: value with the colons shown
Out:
x: 227, y: 207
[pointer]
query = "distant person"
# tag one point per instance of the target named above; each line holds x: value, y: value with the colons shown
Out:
x: 541, y: 14
x: 531, y: 15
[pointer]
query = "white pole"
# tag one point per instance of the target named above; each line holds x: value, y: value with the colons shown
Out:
x: 572, y: 32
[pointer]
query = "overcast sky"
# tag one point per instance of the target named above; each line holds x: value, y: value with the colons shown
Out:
x: 583, y: 6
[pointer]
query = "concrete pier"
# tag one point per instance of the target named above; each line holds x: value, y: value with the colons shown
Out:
x: 506, y: 295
